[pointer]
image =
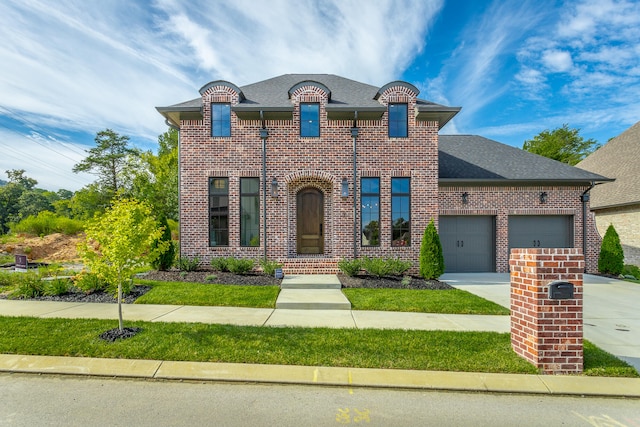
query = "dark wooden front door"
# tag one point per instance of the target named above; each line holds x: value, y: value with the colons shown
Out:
x: 310, y: 219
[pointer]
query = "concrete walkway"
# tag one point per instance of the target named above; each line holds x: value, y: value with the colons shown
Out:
x: 349, y: 377
x: 611, y: 314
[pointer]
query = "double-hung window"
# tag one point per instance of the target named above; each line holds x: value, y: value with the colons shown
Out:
x: 400, y: 211
x: 220, y: 120
x: 310, y: 120
x: 398, y: 121
x: 249, y: 212
x: 218, y: 211
x: 370, y: 211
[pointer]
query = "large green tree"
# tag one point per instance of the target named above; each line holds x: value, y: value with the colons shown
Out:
x: 108, y: 159
x: 125, y: 237
x: 563, y: 144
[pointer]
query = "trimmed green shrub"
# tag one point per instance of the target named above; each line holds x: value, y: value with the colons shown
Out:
x: 57, y: 286
x: 350, y: 267
x: 376, y: 266
x: 631, y: 270
x: 431, y: 258
x: 398, y: 267
x: 611, y: 259
x: 240, y: 265
x: 269, y: 267
x: 167, y: 258
x: 220, y: 264
x: 188, y: 264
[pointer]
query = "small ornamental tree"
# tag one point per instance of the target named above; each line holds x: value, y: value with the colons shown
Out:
x: 166, y: 259
x: 611, y: 259
x: 431, y: 258
x: 119, y: 241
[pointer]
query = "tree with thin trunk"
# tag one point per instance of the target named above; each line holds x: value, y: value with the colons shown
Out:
x: 108, y: 159
x: 124, y: 238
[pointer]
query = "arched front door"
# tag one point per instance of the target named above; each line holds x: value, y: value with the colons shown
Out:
x: 310, y: 220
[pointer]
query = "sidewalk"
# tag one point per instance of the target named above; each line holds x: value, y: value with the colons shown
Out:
x: 311, y: 375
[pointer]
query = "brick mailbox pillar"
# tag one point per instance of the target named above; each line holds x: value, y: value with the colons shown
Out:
x: 546, y: 329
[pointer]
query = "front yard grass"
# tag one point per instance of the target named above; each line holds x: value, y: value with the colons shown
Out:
x: 366, y: 348
x: 453, y: 301
x: 182, y: 293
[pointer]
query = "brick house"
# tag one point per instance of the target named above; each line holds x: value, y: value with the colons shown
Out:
x: 618, y: 202
x: 307, y: 169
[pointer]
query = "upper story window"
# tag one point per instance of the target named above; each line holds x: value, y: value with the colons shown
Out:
x: 220, y: 120
x: 398, y: 123
x: 310, y: 120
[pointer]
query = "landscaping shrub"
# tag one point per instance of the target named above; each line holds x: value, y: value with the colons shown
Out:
x: 240, y: 265
x: 166, y: 259
x: 350, y: 267
x: 269, y: 267
x: 8, y: 279
x: 188, y: 264
x: 28, y: 285
x: 398, y: 267
x: 631, y: 270
x: 89, y: 283
x: 220, y: 264
x: 431, y: 258
x: 611, y: 259
x: 377, y: 267
x: 57, y: 286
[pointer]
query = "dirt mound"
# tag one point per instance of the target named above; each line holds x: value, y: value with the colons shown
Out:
x: 52, y: 248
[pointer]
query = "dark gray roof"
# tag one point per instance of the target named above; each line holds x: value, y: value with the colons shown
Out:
x: 474, y: 159
x: 620, y: 159
x: 272, y: 96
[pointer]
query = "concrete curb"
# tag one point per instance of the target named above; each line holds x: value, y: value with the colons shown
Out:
x: 326, y: 376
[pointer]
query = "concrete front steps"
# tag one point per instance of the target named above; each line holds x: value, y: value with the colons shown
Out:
x: 312, y: 292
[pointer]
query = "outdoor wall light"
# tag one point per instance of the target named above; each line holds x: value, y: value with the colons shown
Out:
x: 274, y: 187
x: 465, y: 198
x: 543, y: 197
x: 344, y: 191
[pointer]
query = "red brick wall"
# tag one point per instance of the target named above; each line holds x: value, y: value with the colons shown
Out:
x: 298, y: 163
x: 501, y: 202
x: 547, y: 332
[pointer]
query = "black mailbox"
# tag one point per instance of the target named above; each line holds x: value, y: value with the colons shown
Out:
x: 560, y: 290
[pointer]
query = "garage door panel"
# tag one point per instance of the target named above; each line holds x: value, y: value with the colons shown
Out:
x: 544, y: 231
x: 468, y: 243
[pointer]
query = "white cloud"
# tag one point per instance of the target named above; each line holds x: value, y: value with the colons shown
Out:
x: 557, y: 60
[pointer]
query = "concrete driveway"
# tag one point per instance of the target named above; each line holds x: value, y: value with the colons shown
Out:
x: 611, y: 308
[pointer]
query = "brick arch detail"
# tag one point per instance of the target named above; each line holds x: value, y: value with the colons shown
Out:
x: 326, y: 183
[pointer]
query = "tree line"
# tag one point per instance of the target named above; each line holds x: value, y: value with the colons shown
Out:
x: 121, y: 171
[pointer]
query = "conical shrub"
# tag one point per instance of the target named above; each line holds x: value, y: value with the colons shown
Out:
x: 611, y: 259
x: 431, y: 258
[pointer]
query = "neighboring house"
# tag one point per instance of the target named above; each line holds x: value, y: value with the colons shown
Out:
x: 618, y: 202
x: 307, y: 169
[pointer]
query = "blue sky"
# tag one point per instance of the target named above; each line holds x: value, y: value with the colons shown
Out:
x: 516, y: 67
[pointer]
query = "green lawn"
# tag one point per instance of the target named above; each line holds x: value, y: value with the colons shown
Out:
x: 182, y: 293
x: 452, y: 301
x: 367, y: 348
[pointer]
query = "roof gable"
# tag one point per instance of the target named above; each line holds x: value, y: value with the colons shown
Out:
x: 620, y: 159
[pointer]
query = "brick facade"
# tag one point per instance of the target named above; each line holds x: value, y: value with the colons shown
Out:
x: 547, y: 332
x: 298, y: 163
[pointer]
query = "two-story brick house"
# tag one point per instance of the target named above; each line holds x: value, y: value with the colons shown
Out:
x: 307, y: 169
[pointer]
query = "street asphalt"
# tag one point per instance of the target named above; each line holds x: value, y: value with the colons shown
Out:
x: 610, y: 322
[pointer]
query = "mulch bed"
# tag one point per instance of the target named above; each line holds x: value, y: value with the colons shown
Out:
x: 207, y: 276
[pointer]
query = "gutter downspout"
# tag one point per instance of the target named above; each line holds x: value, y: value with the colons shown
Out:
x: 172, y: 126
x: 585, y: 199
x: 264, y: 134
x: 354, y: 136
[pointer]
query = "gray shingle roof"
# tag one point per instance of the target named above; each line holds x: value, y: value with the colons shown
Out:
x: 346, y: 96
x: 620, y: 159
x: 474, y: 159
